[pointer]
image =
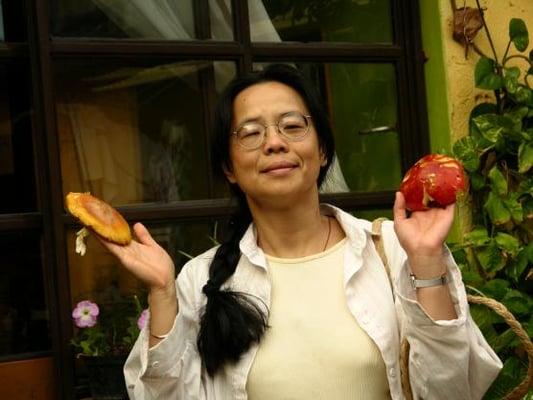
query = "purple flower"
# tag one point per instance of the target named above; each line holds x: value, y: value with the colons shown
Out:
x: 85, y: 314
x: 141, y: 322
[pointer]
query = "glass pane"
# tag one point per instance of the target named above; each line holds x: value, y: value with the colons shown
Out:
x: 24, y: 324
x: 132, y: 134
x: 361, y: 99
x: 162, y: 20
x: 13, y: 16
x: 359, y: 21
x: 2, y: 35
x: 17, y: 177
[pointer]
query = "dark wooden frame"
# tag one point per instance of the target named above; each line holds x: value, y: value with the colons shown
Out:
x: 50, y: 219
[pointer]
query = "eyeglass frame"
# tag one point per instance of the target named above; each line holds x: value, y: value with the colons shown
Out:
x: 306, y: 117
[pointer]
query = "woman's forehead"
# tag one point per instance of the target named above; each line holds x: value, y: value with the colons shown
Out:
x: 267, y: 98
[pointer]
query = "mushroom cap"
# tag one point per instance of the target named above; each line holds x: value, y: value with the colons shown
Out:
x: 99, y: 216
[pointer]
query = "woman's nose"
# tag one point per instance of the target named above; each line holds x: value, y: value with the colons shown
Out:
x: 274, y: 141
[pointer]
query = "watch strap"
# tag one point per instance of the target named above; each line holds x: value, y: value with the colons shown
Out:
x: 424, y: 283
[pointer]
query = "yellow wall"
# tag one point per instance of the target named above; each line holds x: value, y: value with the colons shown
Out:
x: 462, y: 95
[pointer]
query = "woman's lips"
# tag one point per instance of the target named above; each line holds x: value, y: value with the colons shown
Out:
x: 279, y: 168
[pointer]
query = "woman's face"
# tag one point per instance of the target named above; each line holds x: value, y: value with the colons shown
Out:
x: 279, y: 170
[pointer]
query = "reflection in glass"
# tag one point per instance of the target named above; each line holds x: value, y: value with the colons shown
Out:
x: 359, y: 21
x: 2, y: 35
x: 99, y: 276
x: 137, y: 134
x: 163, y: 19
x: 17, y: 177
x: 24, y: 324
x: 361, y: 99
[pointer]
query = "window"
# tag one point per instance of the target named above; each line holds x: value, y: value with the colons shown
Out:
x: 116, y: 97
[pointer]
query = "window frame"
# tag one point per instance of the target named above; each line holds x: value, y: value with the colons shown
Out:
x: 41, y: 51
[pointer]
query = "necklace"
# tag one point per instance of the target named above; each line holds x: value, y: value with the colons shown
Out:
x: 329, y: 233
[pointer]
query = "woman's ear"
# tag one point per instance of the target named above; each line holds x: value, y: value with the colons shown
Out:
x: 323, y: 159
x: 228, y: 171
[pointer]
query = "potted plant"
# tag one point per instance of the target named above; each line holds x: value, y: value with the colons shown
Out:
x: 104, y: 335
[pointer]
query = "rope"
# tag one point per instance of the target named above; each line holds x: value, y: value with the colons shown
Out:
x: 521, y: 390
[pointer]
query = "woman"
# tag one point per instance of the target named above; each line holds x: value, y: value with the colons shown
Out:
x: 296, y: 303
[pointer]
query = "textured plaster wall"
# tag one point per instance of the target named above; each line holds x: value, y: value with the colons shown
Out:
x: 459, y: 72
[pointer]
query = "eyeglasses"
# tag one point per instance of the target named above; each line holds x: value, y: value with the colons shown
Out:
x: 293, y: 126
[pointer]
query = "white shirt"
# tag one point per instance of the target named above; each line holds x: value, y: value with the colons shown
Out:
x: 448, y: 359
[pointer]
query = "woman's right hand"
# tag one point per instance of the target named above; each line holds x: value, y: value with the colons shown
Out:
x: 148, y: 261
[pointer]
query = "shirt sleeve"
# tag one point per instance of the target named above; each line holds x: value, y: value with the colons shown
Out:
x: 448, y: 359
x: 172, y: 368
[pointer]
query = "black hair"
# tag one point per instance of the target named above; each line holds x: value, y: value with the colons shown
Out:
x: 233, y: 321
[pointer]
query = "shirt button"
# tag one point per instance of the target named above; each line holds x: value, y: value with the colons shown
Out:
x: 155, y: 364
x: 392, y: 372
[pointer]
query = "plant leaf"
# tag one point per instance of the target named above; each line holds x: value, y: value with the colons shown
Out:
x: 518, y: 34
x: 465, y: 150
x: 491, y: 258
x: 490, y: 126
x: 486, y: 76
x: 517, y: 302
x: 496, y: 288
x: 525, y: 157
x: 513, y: 204
x: 498, y: 213
x: 510, y: 79
x: 508, y: 243
x: 517, y: 268
x: 477, y: 236
x: 498, y: 181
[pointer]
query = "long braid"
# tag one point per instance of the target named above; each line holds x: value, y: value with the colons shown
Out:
x: 232, y: 321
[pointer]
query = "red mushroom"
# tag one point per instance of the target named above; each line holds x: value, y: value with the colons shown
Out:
x: 434, y: 181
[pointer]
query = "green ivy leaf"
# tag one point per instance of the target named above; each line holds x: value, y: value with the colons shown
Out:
x: 498, y: 213
x: 465, y: 150
x: 517, y: 268
x: 491, y: 258
x: 518, y: 34
x: 490, y: 126
x: 517, y: 302
x: 531, y: 55
x: 498, y: 181
x: 496, y: 288
x: 485, y: 75
x: 510, y: 79
x: 477, y: 181
x: 523, y: 95
x: 527, y: 209
x: 477, y: 236
x: 508, y: 243
x: 525, y: 157
x: 513, y: 204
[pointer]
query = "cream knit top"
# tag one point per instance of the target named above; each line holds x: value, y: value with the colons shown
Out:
x: 314, y: 348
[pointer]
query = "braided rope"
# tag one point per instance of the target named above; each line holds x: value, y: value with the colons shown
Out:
x: 521, y: 390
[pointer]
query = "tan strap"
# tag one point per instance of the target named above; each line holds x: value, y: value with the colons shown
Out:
x: 404, y: 348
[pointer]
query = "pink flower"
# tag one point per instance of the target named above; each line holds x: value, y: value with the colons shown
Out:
x: 85, y: 314
x: 143, y: 318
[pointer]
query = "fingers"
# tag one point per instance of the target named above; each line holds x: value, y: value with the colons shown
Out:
x: 399, y: 210
x: 143, y: 235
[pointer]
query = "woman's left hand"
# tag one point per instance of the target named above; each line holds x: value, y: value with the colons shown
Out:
x: 422, y: 235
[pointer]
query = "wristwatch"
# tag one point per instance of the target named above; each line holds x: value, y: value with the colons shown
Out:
x: 423, y: 283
